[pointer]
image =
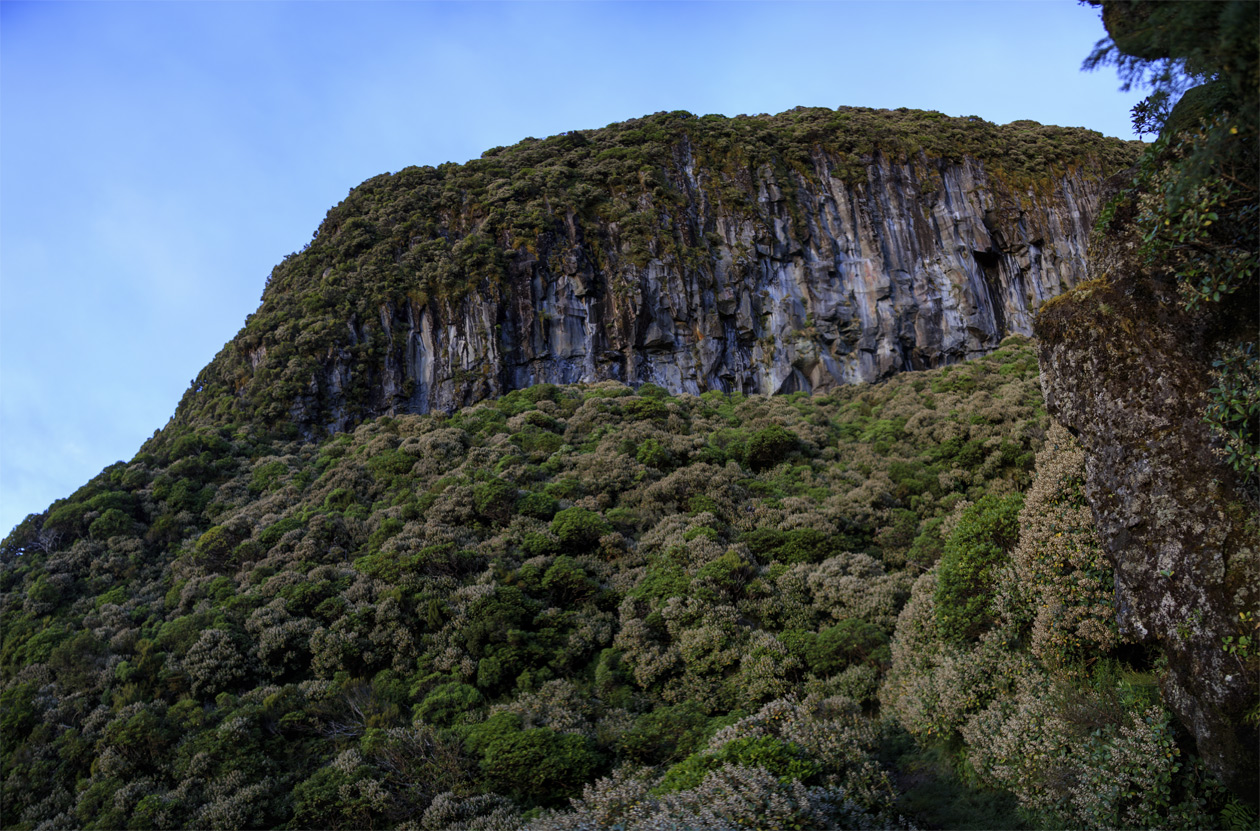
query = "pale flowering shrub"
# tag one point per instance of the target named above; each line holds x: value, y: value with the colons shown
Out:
x: 859, y: 682
x: 1087, y: 752
x: 832, y: 734
x: 708, y: 651
x: 593, y: 631
x: 934, y: 686
x: 764, y: 669
x: 791, y: 604
x: 1124, y: 772
x: 239, y: 806
x: 337, y: 648
x: 418, y: 763
x: 855, y: 586
x: 1060, y: 559
x: 125, y: 798
x: 282, y: 642
x: 735, y: 796
x: 438, y: 451
x: 687, y: 648
x: 609, y: 802
x: 486, y: 812
x: 214, y: 663
x: 729, y: 797
x: 1014, y: 744
x: 346, y: 793
x: 646, y: 650
x: 557, y: 704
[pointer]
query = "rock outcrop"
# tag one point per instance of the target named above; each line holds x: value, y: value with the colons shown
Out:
x: 1126, y: 368
x: 814, y: 268
x: 845, y: 284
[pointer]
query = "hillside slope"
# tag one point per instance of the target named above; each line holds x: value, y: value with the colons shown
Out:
x: 379, y: 572
x: 437, y: 614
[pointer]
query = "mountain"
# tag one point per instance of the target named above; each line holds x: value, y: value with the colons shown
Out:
x: 487, y: 518
x: 761, y: 254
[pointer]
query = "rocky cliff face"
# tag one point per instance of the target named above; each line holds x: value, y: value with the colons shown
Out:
x: 1127, y: 369
x: 801, y: 268
x: 843, y: 284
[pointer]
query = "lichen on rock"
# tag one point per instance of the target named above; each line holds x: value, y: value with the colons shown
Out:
x: 1126, y: 367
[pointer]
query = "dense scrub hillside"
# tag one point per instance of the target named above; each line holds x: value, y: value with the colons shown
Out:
x: 480, y: 522
x: 696, y: 609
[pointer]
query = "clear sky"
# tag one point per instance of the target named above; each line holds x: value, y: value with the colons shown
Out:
x: 157, y: 159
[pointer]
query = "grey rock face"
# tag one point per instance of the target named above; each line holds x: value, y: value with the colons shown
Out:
x: 819, y: 283
x: 1125, y: 367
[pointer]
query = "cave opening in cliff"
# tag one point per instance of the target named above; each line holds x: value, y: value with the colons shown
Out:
x: 988, y: 262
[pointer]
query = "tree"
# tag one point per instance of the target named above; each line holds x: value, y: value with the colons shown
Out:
x: 1197, y: 187
x: 1204, y: 57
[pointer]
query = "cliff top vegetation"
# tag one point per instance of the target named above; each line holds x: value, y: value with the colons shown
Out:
x: 638, y: 191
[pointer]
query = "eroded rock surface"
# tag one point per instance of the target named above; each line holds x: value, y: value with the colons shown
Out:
x: 1126, y: 368
x: 916, y: 267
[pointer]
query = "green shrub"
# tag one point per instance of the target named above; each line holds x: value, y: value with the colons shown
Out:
x: 564, y: 487
x: 119, y: 500
x: 613, y: 682
x: 214, y: 547
x: 539, y: 545
x: 266, y: 477
x: 543, y: 421
x: 579, y: 528
x: 112, y: 523
x: 807, y: 545
x: 449, y: 703
x: 272, y: 533
x: 912, y: 479
x: 340, y: 499
x: 330, y: 799
x: 851, y: 641
x: 538, y: 505
x: 701, y: 531
x: 882, y: 433
x: 194, y: 444
x: 388, y: 528
x: 769, y: 446
x: 567, y: 582
x: 800, y: 545
x: 723, y: 578
x: 653, y: 454
x: 928, y: 546
x: 653, y: 392
x: 537, y: 442
x: 66, y: 519
x: 535, y: 766
x: 785, y: 760
x: 982, y: 540
x: 495, y: 499
x: 446, y: 559
x: 388, y: 464
x: 1233, y: 409
x: 764, y: 542
x: 644, y: 409
x: 666, y: 576
x: 664, y: 735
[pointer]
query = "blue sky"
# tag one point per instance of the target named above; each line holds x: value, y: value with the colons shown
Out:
x: 157, y: 159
